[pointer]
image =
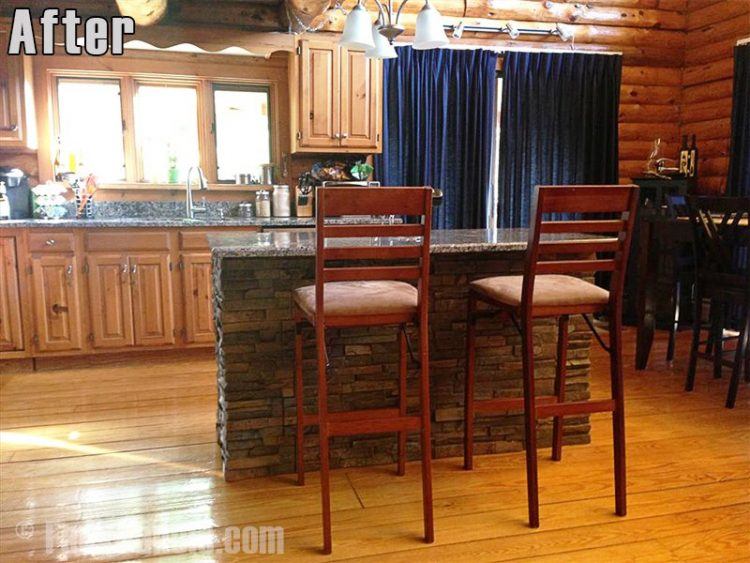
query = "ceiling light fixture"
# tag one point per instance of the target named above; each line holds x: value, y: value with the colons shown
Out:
x: 564, y: 32
x: 359, y: 33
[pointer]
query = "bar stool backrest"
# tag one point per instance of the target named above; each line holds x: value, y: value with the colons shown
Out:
x: 605, y: 211
x: 411, y: 251
x: 721, y: 238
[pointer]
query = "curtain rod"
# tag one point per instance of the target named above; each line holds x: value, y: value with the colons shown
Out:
x: 504, y: 50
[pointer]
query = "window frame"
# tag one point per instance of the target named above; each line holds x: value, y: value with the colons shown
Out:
x: 238, y: 87
x: 203, y: 71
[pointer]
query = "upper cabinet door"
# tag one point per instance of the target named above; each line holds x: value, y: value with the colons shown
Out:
x: 109, y: 296
x: 17, y: 124
x: 360, y: 101
x: 319, y: 118
x: 153, y: 310
x: 11, y: 331
x: 57, y: 302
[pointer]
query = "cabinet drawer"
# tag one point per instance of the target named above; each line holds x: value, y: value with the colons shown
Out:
x: 51, y: 241
x: 127, y: 240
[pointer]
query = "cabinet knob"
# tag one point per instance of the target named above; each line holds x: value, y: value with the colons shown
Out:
x: 344, y: 135
x: 50, y: 242
x: 11, y: 127
x: 337, y: 135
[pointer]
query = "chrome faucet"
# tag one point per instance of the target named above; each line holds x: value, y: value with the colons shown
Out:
x: 190, y: 208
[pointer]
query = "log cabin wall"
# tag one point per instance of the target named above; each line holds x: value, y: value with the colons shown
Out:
x: 713, y: 28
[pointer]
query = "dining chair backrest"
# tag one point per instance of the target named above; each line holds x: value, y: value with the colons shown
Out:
x: 605, y: 211
x: 390, y: 251
x: 721, y: 236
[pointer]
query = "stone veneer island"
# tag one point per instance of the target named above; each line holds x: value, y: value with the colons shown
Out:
x: 253, y: 277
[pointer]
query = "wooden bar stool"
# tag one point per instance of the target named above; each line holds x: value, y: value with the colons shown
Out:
x: 547, y: 290
x: 376, y: 294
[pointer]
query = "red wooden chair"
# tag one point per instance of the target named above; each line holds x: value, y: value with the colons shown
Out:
x: 547, y: 290
x: 376, y: 294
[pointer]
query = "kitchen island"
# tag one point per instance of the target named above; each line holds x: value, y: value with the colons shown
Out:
x: 253, y: 277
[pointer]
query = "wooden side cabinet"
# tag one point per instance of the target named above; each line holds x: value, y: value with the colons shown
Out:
x: 17, y: 120
x: 197, y: 296
x: 336, y: 99
x: 11, y: 326
x: 57, y: 302
x: 153, y: 307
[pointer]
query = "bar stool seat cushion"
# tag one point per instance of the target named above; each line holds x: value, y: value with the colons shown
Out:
x: 550, y: 290
x: 360, y: 298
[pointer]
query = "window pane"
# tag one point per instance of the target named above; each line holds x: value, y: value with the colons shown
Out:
x: 90, y: 121
x: 243, y: 135
x: 166, y: 124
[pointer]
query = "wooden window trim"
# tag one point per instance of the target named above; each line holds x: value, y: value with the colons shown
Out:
x: 179, y: 70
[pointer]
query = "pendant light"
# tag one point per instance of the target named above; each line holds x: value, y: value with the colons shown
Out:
x: 430, y: 33
x: 358, y: 29
x: 377, y: 40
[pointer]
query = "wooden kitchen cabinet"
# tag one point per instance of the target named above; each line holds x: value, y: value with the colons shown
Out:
x: 197, y: 297
x: 57, y: 302
x: 110, y: 300
x: 17, y: 123
x: 337, y: 103
x: 153, y: 307
x: 11, y: 326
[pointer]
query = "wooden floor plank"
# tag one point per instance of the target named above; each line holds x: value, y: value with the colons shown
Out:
x: 124, y: 461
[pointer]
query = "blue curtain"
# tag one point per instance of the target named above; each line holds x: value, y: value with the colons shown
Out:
x: 558, y: 126
x: 438, y: 118
x: 738, y: 182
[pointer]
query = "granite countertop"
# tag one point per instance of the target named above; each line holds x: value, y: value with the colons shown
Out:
x: 164, y: 222
x: 282, y: 244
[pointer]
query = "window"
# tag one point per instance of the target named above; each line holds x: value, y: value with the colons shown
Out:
x: 166, y: 124
x: 90, y: 126
x: 242, y: 127
x: 132, y: 128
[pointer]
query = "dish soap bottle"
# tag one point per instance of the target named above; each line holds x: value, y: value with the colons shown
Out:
x: 4, y: 203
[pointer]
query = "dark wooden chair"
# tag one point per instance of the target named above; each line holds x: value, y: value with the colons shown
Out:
x: 349, y: 294
x: 722, y: 252
x: 547, y: 289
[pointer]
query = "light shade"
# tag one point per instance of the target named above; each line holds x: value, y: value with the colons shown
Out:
x: 383, y: 49
x: 430, y: 33
x: 357, y: 29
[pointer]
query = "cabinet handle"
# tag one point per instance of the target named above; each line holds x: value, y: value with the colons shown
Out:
x: 11, y: 127
x: 344, y: 135
x: 123, y: 273
x: 50, y: 242
x: 337, y: 135
x: 133, y: 270
x: 69, y: 274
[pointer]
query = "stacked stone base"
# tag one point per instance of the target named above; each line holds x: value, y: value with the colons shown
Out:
x: 255, y: 336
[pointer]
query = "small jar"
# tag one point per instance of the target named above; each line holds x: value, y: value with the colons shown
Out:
x: 282, y: 201
x: 263, y: 203
x: 247, y: 210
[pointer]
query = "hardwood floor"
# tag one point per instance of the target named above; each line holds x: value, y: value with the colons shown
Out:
x: 119, y: 462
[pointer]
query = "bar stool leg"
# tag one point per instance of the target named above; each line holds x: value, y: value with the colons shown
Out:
x: 618, y: 415
x: 325, y: 483
x: 675, y: 324
x: 739, y: 359
x: 298, y: 392
x: 402, y: 402
x: 529, y: 405
x: 561, y: 372
x: 717, y: 317
x: 695, y: 345
x: 424, y: 360
x: 469, y: 384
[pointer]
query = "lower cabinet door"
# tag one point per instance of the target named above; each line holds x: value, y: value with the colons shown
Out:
x: 197, y: 290
x: 110, y: 299
x: 153, y: 310
x: 57, y: 302
x: 11, y: 328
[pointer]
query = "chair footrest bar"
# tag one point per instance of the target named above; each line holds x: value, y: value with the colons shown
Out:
x: 352, y: 416
x: 374, y: 426
x: 577, y: 407
x: 508, y: 403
